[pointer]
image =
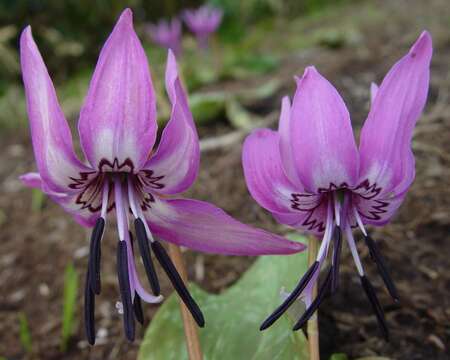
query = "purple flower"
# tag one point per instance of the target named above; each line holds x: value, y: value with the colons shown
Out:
x: 117, y: 128
x: 166, y: 34
x: 203, y: 22
x: 310, y: 174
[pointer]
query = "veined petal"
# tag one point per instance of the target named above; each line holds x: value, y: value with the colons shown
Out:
x: 204, y: 227
x: 118, y: 119
x: 50, y: 133
x: 264, y: 174
x: 178, y: 155
x: 385, y: 147
x: 377, y: 211
x: 68, y: 202
x: 323, y: 145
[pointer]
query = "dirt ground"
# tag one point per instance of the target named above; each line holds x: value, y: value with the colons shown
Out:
x: 36, y: 246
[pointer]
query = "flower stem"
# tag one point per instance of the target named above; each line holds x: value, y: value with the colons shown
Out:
x: 313, y: 324
x: 190, y: 328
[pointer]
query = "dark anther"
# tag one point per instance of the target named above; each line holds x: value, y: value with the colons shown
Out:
x: 370, y: 292
x: 95, y: 255
x: 125, y: 293
x: 337, y: 245
x: 280, y: 310
x: 144, y: 249
x: 89, y: 307
x: 175, y: 278
x: 138, y: 309
x: 316, y: 303
x: 376, y: 256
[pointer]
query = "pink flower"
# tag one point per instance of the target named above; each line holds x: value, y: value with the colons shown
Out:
x: 166, y: 34
x: 311, y: 175
x: 203, y: 22
x: 121, y: 174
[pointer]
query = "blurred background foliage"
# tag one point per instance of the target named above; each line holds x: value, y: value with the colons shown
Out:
x: 70, y: 34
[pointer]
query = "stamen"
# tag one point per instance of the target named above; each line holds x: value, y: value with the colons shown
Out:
x: 308, y: 277
x: 337, y: 209
x: 370, y: 292
x: 137, y: 306
x: 376, y: 256
x: 358, y: 220
x: 280, y: 310
x: 337, y: 246
x: 353, y: 249
x: 177, y: 282
x: 105, y: 198
x: 316, y: 303
x: 95, y: 256
x: 144, y: 249
x: 89, y: 308
x: 119, y: 208
x: 125, y: 293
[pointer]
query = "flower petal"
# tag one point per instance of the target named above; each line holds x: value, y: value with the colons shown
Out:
x: 385, y: 147
x: 264, y: 174
x: 373, y: 92
x: 323, y: 146
x: 377, y: 211
x: 68, y: 202
x: 50, y: 133
x: 284, y: 131
x: 204, y: 227
x: 178, y: 155
x: 118, y: 119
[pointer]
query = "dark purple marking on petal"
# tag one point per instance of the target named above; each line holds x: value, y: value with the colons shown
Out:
x: 333, y: 187
x: 177, y: 282
x: 144, y: 249
x: 280, y: 310
x: 371, y: 295
x: 149, y: 180
x: 89, y: 309
x: 367, y: 190
x: 376, y: 256
x: 125, y: 292
x: 316, y: 303
x: 337, y: 246
x: 95, y: 256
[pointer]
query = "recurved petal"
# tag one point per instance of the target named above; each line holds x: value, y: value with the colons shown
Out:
x: 204, y: 227
x: 178, y: 155
x: 50, y: 133
x: 264, y: 174
x: 323, y: 145
x: 118, y: 118
x: 385, y: 147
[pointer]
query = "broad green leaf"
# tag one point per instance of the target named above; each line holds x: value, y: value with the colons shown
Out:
x: 37, y: 200
x: 233, y: 318
x: 69, y: 304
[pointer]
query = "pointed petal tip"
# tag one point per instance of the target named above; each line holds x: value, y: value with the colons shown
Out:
x: 126, y: 16
x: 26, y: 36
x: 422, y: 45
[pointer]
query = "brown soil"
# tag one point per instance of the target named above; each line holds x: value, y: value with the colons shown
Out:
x: 36, y: 246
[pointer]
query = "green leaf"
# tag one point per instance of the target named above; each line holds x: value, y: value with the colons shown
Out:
x: 37, y: 200
x: 233, y: 318
x: 69, y: 303
x: 24, y: 332
x: 207, y: 107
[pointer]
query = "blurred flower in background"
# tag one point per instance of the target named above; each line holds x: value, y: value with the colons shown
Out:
x: 166, y: 33
x: 203, y: 22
